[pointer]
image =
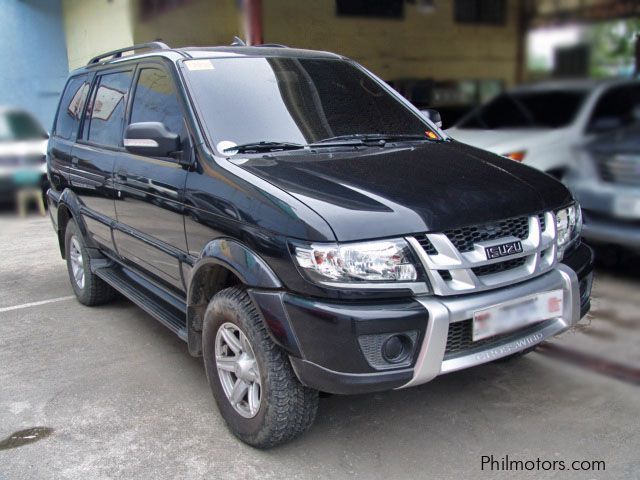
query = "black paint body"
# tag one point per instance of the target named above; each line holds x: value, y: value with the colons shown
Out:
x: 168, y: 221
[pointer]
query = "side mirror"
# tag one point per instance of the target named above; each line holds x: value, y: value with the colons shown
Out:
x: 151, y: 139
x: 433, y: 115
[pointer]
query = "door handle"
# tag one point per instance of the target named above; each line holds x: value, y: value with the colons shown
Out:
x: 74, y: 161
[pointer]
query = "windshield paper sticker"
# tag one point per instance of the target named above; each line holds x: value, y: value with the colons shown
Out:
x: 195, y: 65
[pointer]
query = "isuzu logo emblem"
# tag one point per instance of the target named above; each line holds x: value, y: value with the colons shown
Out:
x: 504, y: 250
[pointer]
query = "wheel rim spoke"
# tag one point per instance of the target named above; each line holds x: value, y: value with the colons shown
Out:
x: 231, y: 340
x: 254, y: 398
x: 244, y: 343
x: 239, y: 391
x: 226, y: 363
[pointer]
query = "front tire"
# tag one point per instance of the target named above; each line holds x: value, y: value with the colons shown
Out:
x: 89, y: 288
x: 251, y: 378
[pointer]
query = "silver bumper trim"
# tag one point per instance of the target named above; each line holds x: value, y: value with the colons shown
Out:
x: 442, y: 311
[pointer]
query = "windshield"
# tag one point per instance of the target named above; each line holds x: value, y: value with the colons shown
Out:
x: 294, y: 100
x: 550, y: 109
x: 17, y: 126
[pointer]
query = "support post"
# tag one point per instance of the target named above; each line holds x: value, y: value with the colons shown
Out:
x: 252, y: 12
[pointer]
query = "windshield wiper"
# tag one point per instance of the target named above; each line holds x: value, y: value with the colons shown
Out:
x: 361, y: 138
x: 264, y: 147
x: 351, y: 139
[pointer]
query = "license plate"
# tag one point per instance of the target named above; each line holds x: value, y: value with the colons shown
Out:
x: 627, y: 206
x: 516, y: 314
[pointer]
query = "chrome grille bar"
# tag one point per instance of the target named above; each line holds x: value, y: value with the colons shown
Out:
x: 451, y: 271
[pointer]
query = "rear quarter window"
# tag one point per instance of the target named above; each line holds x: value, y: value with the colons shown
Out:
x: 71, y: 106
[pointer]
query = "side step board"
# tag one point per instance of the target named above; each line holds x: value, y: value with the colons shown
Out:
x: 165, y: 308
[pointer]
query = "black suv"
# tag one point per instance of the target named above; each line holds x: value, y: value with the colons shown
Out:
x: 302, y: 227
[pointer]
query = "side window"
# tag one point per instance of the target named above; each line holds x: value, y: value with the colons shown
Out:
x: 616, y: 108
x: 71, y: 105
x: 105, y: 117
x: 155, y: 100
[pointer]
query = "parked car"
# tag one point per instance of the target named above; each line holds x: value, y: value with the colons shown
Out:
x: 302, y: 227
x: 545, y: 125
x: 23, y: 146
x: 607, y: 184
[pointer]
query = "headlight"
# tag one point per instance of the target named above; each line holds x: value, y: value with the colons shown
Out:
x: 568, y: 227
x: 378, y: 261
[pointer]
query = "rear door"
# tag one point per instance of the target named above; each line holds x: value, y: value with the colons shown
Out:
x: 149, y: 201
x: 94, y: 155
x: 65, y: 130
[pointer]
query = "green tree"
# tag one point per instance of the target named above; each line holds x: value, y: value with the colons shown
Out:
x: 612, y: 46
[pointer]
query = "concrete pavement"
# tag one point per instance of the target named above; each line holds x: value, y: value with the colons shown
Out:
x: 125, y: 400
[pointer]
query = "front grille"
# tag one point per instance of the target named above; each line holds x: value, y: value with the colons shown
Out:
x: 542, y: 220
x: 427, y: 245
x: 465, y: 238
x: 454, y: 262
x: 621, y: 169
x: 445, y: 274
x: 499, y: 267
x: 460, y: 339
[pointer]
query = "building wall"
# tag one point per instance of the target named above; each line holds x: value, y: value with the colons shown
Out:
x: 197, y: 22
x: 33, y: 56
x: 95, y: 26
x: 418, y: 46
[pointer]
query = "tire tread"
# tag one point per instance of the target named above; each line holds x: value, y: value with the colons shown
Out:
x: 292, y: 407
x: 96, y: 291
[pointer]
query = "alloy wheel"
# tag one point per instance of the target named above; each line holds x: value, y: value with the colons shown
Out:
x: 238, y: 370
x: 77, y: 264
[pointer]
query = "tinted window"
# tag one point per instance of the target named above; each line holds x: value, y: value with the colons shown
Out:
x: 551, y: 109
x: 155, y: 100
x: 106, y: 113
x: 617, y: 108
x: 294, y: 100
x: 71, y: 106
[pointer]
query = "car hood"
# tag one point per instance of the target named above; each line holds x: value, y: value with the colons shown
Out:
x: 390, y: 191
x: 504, y: 141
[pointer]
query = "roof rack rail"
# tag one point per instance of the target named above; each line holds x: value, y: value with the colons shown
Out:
x: 272, y: 45
x: 112, y: 55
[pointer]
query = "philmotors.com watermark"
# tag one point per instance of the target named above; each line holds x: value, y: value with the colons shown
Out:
x: 505, y: 463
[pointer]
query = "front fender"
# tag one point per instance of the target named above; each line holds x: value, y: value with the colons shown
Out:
x: 208, y: 276
x: 247, y: 265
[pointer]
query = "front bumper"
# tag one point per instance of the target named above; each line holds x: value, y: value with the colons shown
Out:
x: 323, y: 338
x: 432, y: 359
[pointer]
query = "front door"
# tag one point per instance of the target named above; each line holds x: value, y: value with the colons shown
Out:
x: 93, y: 156
x: 149, y: 191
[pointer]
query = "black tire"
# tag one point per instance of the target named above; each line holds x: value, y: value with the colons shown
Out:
x: 286, y: 408
x: 94, y: 290
x: 514, y: 356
